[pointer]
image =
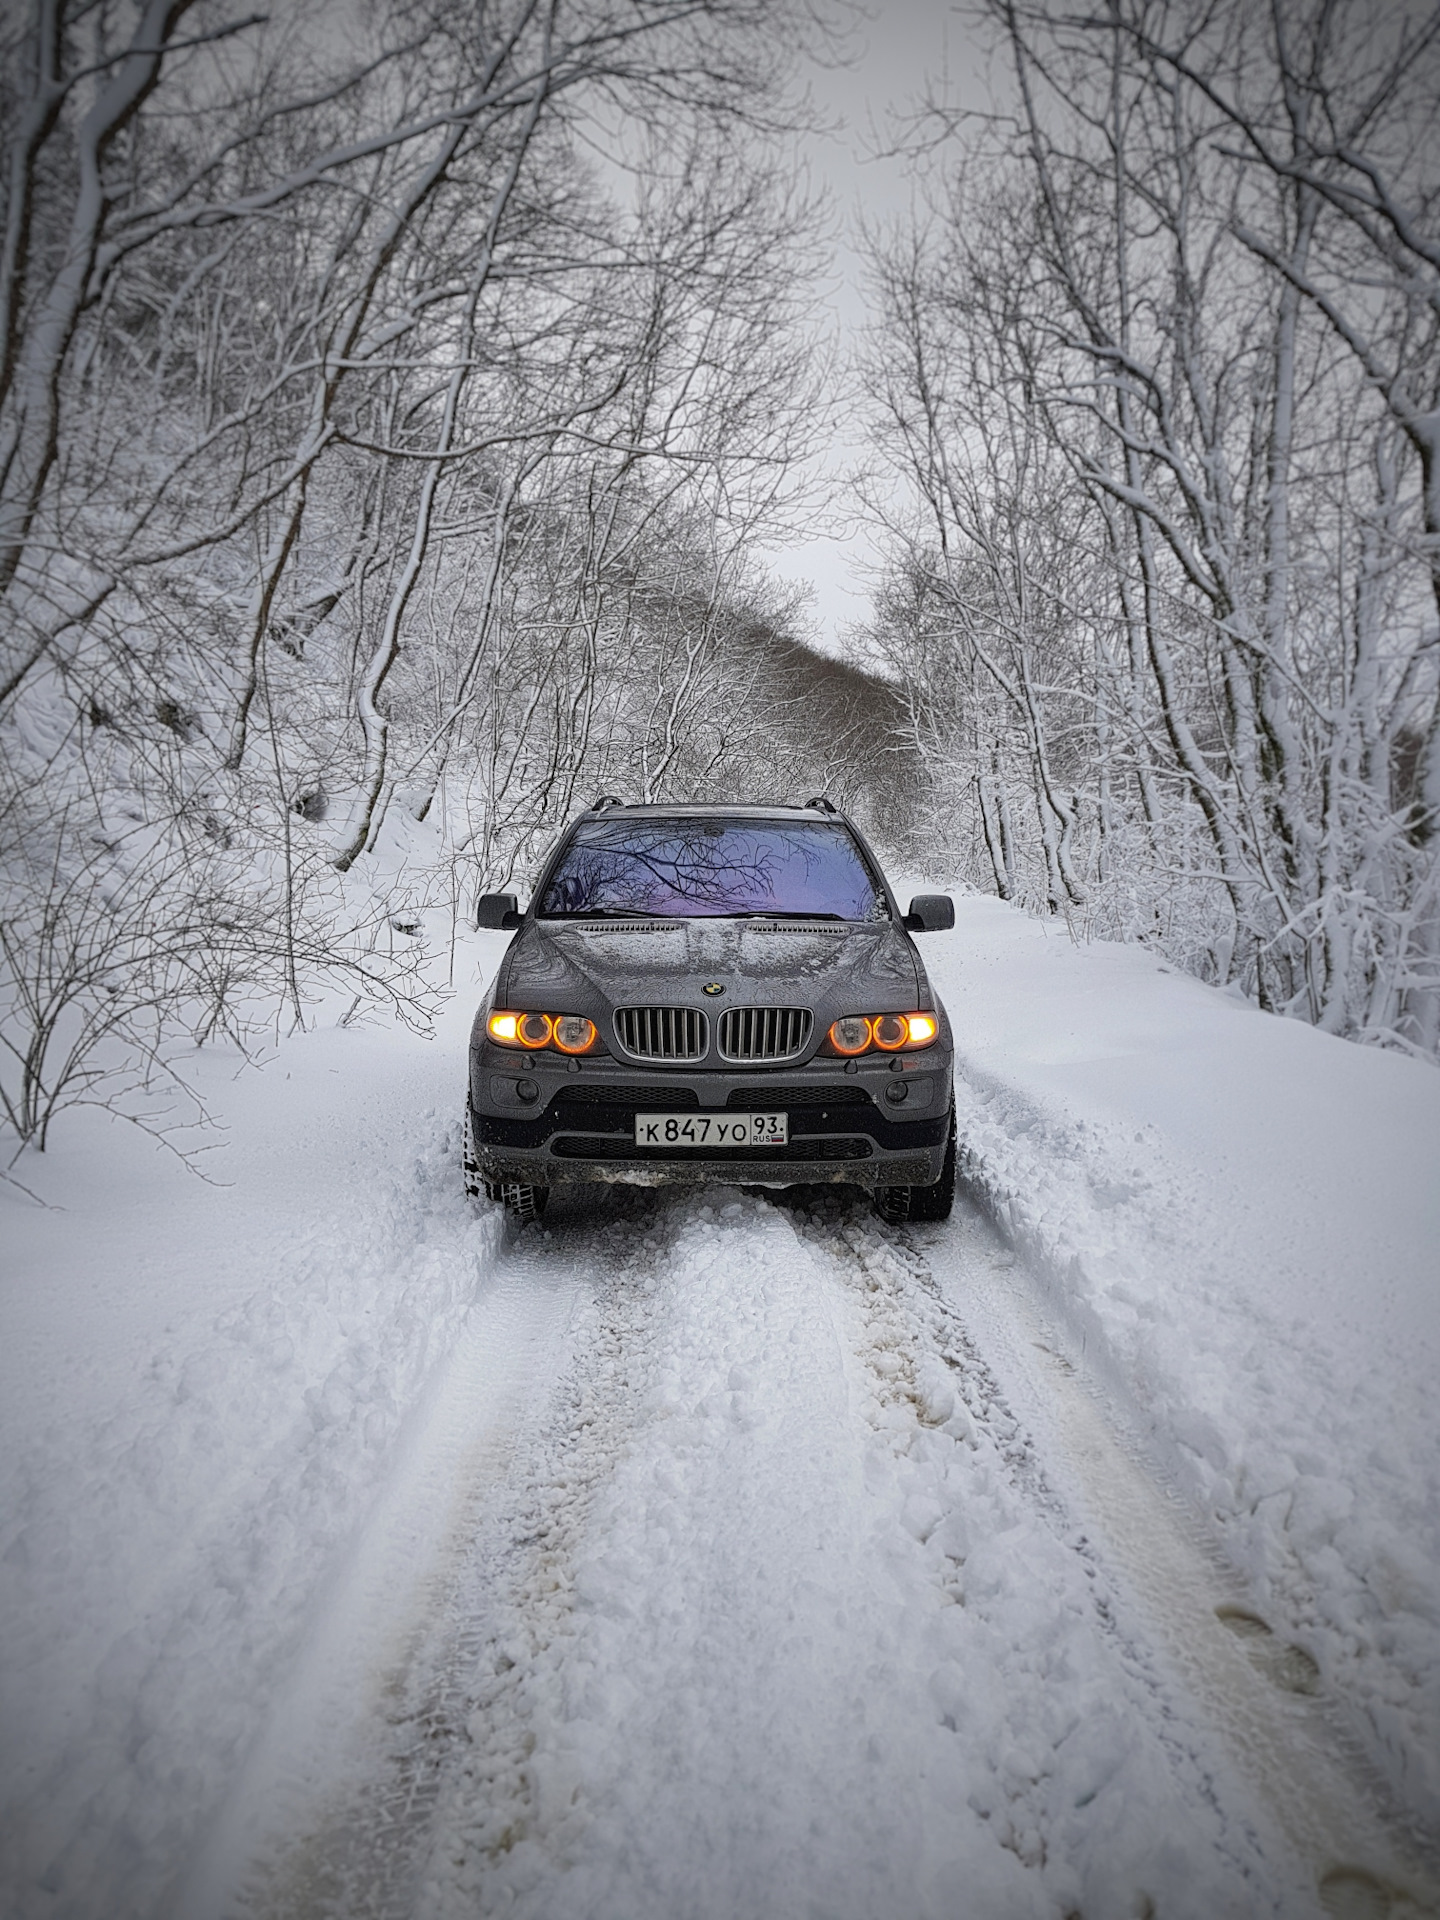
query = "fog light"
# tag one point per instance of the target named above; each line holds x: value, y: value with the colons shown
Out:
x: 527, y: 1090
x: 897, y: 1091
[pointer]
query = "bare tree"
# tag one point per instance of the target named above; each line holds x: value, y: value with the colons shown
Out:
x: 340, y: 399
x: 1116, y: 289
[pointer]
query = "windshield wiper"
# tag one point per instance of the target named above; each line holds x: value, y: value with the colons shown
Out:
x: 784, y: 913
x: 608, y: 913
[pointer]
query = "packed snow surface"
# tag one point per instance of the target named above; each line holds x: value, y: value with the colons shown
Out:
x: 699, y: 1555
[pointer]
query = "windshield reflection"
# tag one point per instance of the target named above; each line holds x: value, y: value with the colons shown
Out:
x: 708, y: 869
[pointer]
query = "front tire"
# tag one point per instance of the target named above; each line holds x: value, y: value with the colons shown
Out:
x: 520, y: 1200
x: 474, y: 1185
x: 900, y: 1204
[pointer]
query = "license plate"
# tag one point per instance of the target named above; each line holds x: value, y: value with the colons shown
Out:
x: 686, y: 1130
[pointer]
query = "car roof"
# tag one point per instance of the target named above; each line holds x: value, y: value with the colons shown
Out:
x: 689, y: 810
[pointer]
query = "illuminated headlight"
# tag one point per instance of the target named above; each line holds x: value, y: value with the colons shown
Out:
x: 573, y: 1033
x: 889, y: 1032
x: 569, y: 1032
x: 850, y: 1035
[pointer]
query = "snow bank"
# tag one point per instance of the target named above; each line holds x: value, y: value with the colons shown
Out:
x: 202, y: 1388
x: 1239, y: 1221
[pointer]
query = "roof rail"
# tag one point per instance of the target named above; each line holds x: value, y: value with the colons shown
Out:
x: 605, y: 800
x: 823, y: 804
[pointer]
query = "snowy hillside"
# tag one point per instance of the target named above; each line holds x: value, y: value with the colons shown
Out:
x: 703, y: 1556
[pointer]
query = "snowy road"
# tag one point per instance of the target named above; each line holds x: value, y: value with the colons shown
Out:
x: 716, y: 1558
x: 759, y: 1560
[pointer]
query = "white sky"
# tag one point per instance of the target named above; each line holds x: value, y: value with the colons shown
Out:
x: 904, y: 47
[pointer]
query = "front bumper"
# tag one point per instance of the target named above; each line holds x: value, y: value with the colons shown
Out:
x: 579, y: 1123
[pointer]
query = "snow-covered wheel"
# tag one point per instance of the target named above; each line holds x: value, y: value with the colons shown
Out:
x: 520, y: 1200
x: 474, y: 1185
x: 899, y: 1204
x: 893, y: 1204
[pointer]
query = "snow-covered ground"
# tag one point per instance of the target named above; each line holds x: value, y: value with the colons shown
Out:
x: 702, y: 1556
x: 1238, y: 1219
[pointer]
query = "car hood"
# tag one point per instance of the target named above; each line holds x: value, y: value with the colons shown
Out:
x: 834, y: 969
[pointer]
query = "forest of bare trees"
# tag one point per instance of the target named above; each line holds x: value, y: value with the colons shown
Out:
x: 390, y: 396
x: 1157, y: 380
x: 395, y: 399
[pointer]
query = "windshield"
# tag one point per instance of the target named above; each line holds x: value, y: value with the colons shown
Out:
x: 701, y: 869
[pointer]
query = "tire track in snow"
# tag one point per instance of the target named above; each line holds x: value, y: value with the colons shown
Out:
x: 1115, y: 1868
x: 541, y: 1814
x: 448, y: 1628
x: 776, y: 1610
x: 319, y: 1751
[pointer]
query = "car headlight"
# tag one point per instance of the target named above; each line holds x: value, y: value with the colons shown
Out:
x: 573, y: 1033
x: 850, y: 1035
x: 889, y: 1032
x: 567, y: 1032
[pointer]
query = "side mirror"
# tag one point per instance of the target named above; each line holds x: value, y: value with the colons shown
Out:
x: 931, y: 913
x: 497, y: 910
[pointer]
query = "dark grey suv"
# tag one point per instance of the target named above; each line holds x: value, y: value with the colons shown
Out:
x: 712, y: 993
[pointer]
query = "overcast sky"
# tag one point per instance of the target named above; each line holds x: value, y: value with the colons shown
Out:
x: 904, y: 46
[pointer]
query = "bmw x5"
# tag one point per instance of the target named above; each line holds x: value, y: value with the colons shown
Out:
x: 712, y: 993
